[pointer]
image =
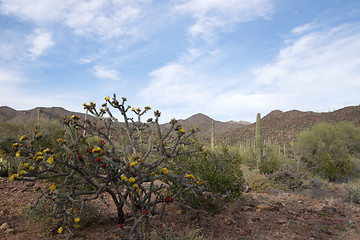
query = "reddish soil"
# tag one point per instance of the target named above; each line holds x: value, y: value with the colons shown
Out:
x: 254, y: 216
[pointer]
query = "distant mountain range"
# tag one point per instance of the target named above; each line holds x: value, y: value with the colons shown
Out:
x: 277, y: 125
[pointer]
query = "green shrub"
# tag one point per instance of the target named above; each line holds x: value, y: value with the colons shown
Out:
x: 288, y: 179
x: 218, y: 170
x: 272, y: 161
x: 329, y: 149
x: 354, y: 191
x: 255, y: 180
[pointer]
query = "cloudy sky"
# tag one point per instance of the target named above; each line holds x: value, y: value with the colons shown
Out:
x: 228, y: 59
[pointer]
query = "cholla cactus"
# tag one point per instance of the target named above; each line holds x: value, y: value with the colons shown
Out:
x: 127, y: 172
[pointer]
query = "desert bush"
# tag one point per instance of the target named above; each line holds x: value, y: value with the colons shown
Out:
x: 272, y: 161
x: 328, y: 149
x: 218, y: 170
x: 354, y: 191
x: 248, y: 157
x: 255, y: 180
x: 288, y: 179
x: 127, y: 173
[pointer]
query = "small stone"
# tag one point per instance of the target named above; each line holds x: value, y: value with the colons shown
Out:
x: 228, y: 221
x: 281, y: 221
x: 179, y: 212
x: 10, y: 231
x: 4, y: 226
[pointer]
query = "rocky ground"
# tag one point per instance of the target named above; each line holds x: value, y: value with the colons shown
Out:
x: 254, y: 216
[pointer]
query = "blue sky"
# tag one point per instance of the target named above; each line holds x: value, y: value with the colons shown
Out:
x: 228, y: 59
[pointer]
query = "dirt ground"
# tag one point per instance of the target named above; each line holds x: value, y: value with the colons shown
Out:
x: 254, y: 216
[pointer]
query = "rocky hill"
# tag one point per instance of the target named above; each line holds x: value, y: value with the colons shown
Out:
x: 8, y: 114
x: 277, y: 125
x: 284, y: 126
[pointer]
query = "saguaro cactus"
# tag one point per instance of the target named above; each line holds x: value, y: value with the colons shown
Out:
x: 212, y: 136
x: 258, y: 146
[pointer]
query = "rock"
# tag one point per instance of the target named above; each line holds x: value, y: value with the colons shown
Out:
x: 228, y: 221
x: 4, y: 226
x: 10, y: 231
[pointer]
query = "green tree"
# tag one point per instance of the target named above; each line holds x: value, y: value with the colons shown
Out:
x: 330, y: 150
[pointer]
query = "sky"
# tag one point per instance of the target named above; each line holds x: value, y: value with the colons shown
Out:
x: 228, y: 59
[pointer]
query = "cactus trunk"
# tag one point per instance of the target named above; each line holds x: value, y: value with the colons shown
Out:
x: 212, y: 136
x: 258, y: 146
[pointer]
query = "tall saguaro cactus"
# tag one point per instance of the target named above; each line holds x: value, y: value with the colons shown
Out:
x: 212, y: 136
x: 258, y: 140
x: 38, y: 121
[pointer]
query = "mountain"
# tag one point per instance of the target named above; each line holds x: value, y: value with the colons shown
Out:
x: 204, y: 123
x: 8, y: 114
x: 284, y: 126
x: 276, y: 126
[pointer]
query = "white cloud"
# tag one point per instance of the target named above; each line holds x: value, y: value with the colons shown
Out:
x: 106, y: 73
x: 318, y: 71
x: 303, y: 28
x: 39, y: 41
x: 96, y: 18
x: 218, y: 15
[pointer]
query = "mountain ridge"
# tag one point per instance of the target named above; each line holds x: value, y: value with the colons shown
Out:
x: 277, y: 126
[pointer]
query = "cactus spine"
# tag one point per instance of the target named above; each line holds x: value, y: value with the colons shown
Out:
x: 258, y: 147
x: 212, y: 140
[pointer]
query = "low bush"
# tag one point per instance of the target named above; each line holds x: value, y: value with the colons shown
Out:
x: 255, y: 180
x: 288, y: 179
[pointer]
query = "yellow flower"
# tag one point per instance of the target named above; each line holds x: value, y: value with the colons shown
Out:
x: 23, y: 137
x: 76, y: 225
x: 107, y: 98
x: 25, y: 165
x: 60, y: 229
x: 181, y: 130
x: 165, y: 171
x: 154, y: 174
x: 31, y: 168
x: 189, y: 176
x: 46, y: 150
x: 17, y: 154
x: 123, y: 178
x: 135, y: 186
x: 137, y: 190
x: 39, y: 153
x: 39, y: 158
x: 52, y: 187
x: 22, y: 172
x: 131, y: 180
x: 134, y: 164
x: 50, y: 160
x: 198, y: 182
x: 133, y: 109
x: 12, y: 177
x: 76, y: 219
x: 15, y: 145
x: 96, y: 150
x: 101, y: 109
